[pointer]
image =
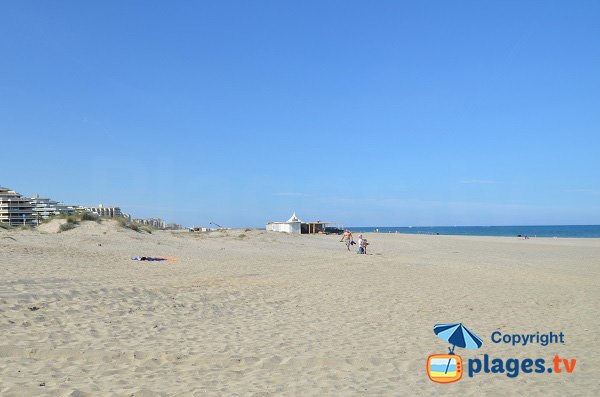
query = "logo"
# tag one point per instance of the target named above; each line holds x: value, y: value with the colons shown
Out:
x: 448, y: 368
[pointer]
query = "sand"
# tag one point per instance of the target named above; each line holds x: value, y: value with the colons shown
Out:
x: 257, y: 313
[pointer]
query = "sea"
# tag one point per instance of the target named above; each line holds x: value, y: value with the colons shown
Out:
x: 578, y: 231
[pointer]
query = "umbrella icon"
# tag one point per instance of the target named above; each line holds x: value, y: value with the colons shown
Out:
x: 457, y: 335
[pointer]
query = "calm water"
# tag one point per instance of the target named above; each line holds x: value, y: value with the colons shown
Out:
x: 531, y: 231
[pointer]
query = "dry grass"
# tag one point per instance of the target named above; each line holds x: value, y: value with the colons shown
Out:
x: 67, y: 226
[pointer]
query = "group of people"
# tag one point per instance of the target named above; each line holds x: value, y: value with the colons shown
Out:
x: 349, y: 240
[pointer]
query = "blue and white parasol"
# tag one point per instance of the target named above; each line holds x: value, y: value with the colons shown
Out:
x: 457, y: 335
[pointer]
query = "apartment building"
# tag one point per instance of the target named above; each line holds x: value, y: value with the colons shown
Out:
x: 156, y: 223
x: 44, y: 208
x: 15, y: 209
x: 110, y: 212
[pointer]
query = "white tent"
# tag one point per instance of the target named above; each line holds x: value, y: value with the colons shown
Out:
x: 293, y: 225
x: 294, y: 218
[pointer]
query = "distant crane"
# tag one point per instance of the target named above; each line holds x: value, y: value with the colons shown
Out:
x: 219, y: 226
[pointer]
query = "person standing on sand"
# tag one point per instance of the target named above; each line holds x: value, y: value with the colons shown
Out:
x: 363, y: 245
x: 359, y: 243
x: 347, y: 237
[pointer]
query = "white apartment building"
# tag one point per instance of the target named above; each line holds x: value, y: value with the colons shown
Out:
x: 156, y: 223
x: 110, y: 212
x: 44, y: 208
x: 14, y: 208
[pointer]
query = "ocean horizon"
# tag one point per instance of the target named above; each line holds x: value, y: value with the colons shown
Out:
x: 565, y: 231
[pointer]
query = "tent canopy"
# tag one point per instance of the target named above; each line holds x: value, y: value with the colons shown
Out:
x: 294, y: 218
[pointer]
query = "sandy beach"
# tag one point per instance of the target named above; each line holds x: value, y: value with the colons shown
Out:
x: 246, y: 312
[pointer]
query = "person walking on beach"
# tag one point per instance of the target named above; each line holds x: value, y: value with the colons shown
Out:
x: 347, y: 237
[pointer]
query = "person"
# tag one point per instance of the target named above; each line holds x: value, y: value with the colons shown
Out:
x: 363, y: 246
x: 347, y: 237
x: 359, y: 242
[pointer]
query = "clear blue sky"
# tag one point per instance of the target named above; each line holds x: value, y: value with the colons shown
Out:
x: 367, y: 113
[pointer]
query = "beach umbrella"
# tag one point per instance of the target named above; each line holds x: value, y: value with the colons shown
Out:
x: 457, y: 335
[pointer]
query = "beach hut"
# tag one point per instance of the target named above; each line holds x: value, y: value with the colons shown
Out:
x: 293, y: 225
x: 296, y: 226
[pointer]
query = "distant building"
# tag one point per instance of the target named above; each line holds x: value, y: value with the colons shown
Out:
x: 293, y: 225
x: 14, y: 208
x: 199, y: 229
x: 109, y: 212
x: 296, y: 226
x: 43, y: 208
x: 156, y: 223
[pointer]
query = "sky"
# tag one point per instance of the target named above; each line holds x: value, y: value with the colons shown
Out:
x: 387, y: 113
